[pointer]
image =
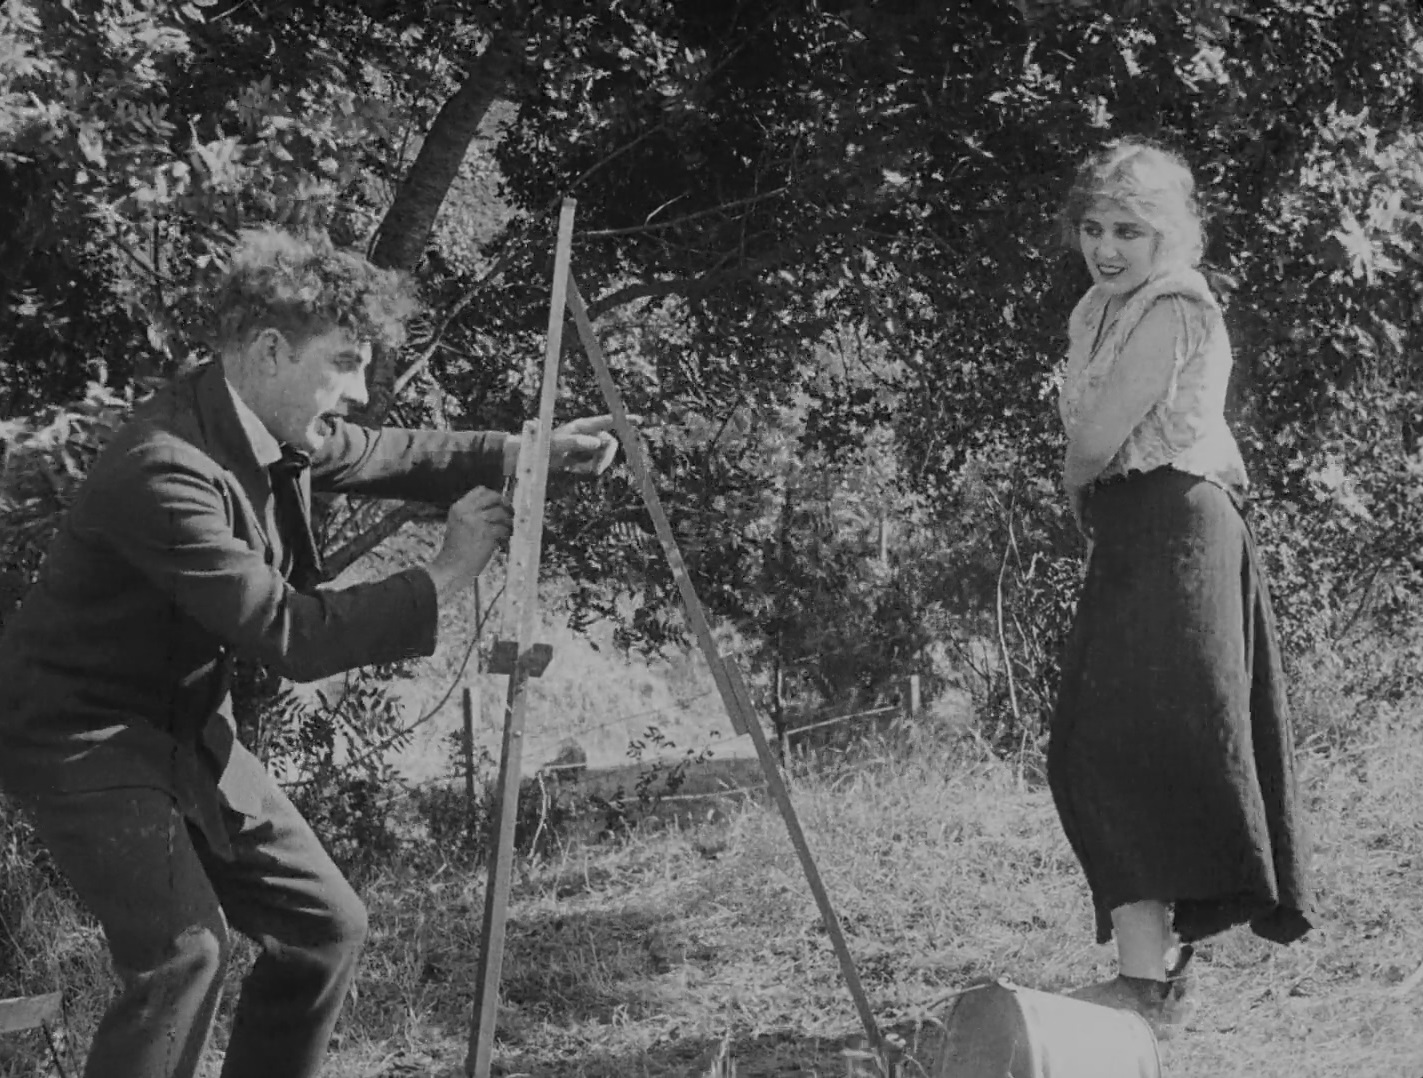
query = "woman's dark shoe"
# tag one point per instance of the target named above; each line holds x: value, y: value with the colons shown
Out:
x: 1177, y: 970
x: 1165, y: 1005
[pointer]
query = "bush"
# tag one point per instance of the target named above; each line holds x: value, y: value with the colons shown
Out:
x: 1343, y: 692
x: 463, y: 831
x: 43, y: 459
x: 332, y: 755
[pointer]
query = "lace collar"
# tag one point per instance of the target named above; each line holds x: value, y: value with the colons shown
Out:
x: 1088, y: 335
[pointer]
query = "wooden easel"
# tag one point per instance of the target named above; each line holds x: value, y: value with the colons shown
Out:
x: 520, y: 659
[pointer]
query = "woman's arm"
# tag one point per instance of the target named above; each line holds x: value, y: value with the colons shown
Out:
x: 1138, y: 380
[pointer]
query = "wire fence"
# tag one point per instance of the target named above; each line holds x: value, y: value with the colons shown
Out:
x: 689, y: 754
x: 791, y: 735
x: 624, y: 722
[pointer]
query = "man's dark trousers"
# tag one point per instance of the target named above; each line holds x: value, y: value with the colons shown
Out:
x: 166, y: 902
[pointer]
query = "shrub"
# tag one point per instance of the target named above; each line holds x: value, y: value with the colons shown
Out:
x: 332, y: 754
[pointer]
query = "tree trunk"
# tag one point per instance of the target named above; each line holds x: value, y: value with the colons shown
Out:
x: 403, y: 234
x: 378, y: 532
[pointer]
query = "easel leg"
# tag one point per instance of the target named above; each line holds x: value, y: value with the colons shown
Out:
x: 522, y: 592
x: 735, y: 698
x: 496, y: 895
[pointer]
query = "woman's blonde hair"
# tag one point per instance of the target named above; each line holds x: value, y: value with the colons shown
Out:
x: 1151, y: 182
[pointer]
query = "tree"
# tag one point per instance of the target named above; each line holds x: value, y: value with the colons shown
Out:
x: 753, y: 180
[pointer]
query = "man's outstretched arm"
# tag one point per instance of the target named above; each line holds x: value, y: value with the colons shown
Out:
x: 170, y: 520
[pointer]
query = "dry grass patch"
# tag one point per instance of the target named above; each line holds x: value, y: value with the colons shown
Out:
x: 636, y: 958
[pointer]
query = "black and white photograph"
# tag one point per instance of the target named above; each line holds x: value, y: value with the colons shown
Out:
x: 668, y: 539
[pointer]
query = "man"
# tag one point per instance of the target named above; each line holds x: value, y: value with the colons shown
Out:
x: 190, y: 544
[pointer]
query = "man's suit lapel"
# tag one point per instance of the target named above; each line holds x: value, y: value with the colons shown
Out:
x: 228, y: 444
x: 242, y: 780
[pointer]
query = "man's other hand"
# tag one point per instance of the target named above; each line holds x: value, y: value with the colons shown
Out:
x: 478, y: 525
x: 582, y: 447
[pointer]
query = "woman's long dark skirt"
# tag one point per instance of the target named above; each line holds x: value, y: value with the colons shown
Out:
x: 1171, y: 757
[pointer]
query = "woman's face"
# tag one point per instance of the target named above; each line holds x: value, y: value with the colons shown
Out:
x: 1120, y: 247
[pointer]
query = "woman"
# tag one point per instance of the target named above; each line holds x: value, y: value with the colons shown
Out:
x: 1170, y: 756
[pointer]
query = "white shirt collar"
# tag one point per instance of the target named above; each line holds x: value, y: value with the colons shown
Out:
x: 266, y: 448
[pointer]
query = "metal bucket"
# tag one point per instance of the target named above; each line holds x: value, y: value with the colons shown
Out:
x: 1002, y: 1031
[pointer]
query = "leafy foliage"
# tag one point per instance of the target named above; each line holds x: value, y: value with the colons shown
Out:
x: 1344, y: 379
x: 43, y: 459
x: 656, y: 779
x: 820, y: 241
x: 333, y: 756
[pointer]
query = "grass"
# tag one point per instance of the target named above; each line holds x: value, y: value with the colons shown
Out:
x: 637, y: 958
x: 644, y: 953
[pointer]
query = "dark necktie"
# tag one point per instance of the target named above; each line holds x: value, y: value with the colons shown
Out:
x: 302, y: 560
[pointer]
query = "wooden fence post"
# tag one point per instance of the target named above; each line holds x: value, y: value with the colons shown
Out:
x: 469, y: 706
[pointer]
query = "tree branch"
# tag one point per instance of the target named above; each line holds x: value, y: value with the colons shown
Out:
x: 669, y: 286
x: 358, y: 547
x: 433, y: 341
x: 406, y: 227
x: 602, y: 233
x: 413, y: 370
x: 405, y: 230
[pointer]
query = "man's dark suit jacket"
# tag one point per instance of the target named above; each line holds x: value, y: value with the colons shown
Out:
x: 115, y: 671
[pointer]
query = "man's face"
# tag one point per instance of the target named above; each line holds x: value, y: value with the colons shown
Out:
x: 324, y: 376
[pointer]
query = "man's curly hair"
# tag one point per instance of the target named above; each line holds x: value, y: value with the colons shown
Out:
x: 303, y: 285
